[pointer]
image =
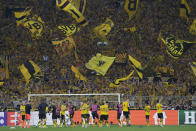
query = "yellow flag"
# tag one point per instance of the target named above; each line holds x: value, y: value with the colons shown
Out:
x: 68, y: 30
x: 131, y: 7
x: 117, y: 82
x: 79, y: 4
x: 78, y: 75
x: 185, y: 10
x: 193, y: 66
x: 192, y: 28
x: 1, y: 83
x: 103, y: 29
x: 21, y: 15
x: 100, y: 63
x: 29, y: 70
x: 35, y: 25
x: 137, y: 66
x: 68, y: 7
x: 176, y: 47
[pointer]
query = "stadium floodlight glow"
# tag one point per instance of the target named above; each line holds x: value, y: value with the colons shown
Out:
x: 101, y: 94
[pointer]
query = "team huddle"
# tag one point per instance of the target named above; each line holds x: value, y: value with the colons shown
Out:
x: 89, y: 114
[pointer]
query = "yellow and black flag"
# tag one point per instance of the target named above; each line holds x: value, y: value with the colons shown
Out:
x: 79, y: 4
x: 30, y: 70
x: 67, y: 6
x: 192, y: 28
x: 137, y: 66
x: 34, y: 24
x: 193, y: 66
x: 117, y: 83
x: 103, y: 29
x: 21, y: 15
x: 176, y: 47
x: 68, y: 30
x: 131, y: 7
x: 78, y: 75
x: 100, y: 63
x: 185, y: 10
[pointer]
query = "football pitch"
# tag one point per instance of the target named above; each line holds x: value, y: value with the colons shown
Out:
x: 111, y: 128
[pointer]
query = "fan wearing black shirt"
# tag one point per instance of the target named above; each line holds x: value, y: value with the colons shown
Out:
x: 43, y: 108
x: 27, y: 113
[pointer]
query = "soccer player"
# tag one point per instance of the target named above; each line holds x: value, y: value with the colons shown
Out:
x: 63, y: 109
x: 126, y: 111
x: 119, y: 113
x: 54, y: 116
x: 85, y: 114
x: 43, y: 108
x: 159, y: 113
x: 71, y: 114
x: 22, y: 113
x: 27, y: 113
x: 94, y: 109
x: 58, y: 111
x: 104, y: 114
x: 147, y: 112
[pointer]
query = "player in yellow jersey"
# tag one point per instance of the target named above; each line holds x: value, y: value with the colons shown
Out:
x: 147, y: 112
x: 104, y: 113
x: 22, y: 113
x: 159, y: 112
x: 63, y: 109
x: 85, y: 114
x: 126, y: 111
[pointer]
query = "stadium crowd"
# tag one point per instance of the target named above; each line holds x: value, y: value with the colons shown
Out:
x: 58, y: 78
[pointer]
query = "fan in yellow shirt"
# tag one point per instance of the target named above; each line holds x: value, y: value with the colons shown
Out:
x: 85, y: 114
x: 126, y: 111
x: 159, y: 112
x: 104, y: 113
x: 63, y: 109
x: 147, y: 112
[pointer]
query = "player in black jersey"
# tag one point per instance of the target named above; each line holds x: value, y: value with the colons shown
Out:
x: 43, y: 108
x: 54, y: 116
x: 27, y: 113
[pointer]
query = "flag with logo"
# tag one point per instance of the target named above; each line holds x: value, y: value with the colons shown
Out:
x: 67, y: 6
x: 78, y: 75
x: 137, y: 66
x: 192, y: 28
x: 68, y: 30
x: 131, y: 7
x: 65, y: 46
x: 185, y: 10
x: 176, y: 47
x: 34, y: 24
x: 193, y: 66
x: 102, y: 30
x: 117, y: 83
x: 30, y: 70
x: 100, y: 63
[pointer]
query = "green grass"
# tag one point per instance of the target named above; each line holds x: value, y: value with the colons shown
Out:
x: 112, y: 128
